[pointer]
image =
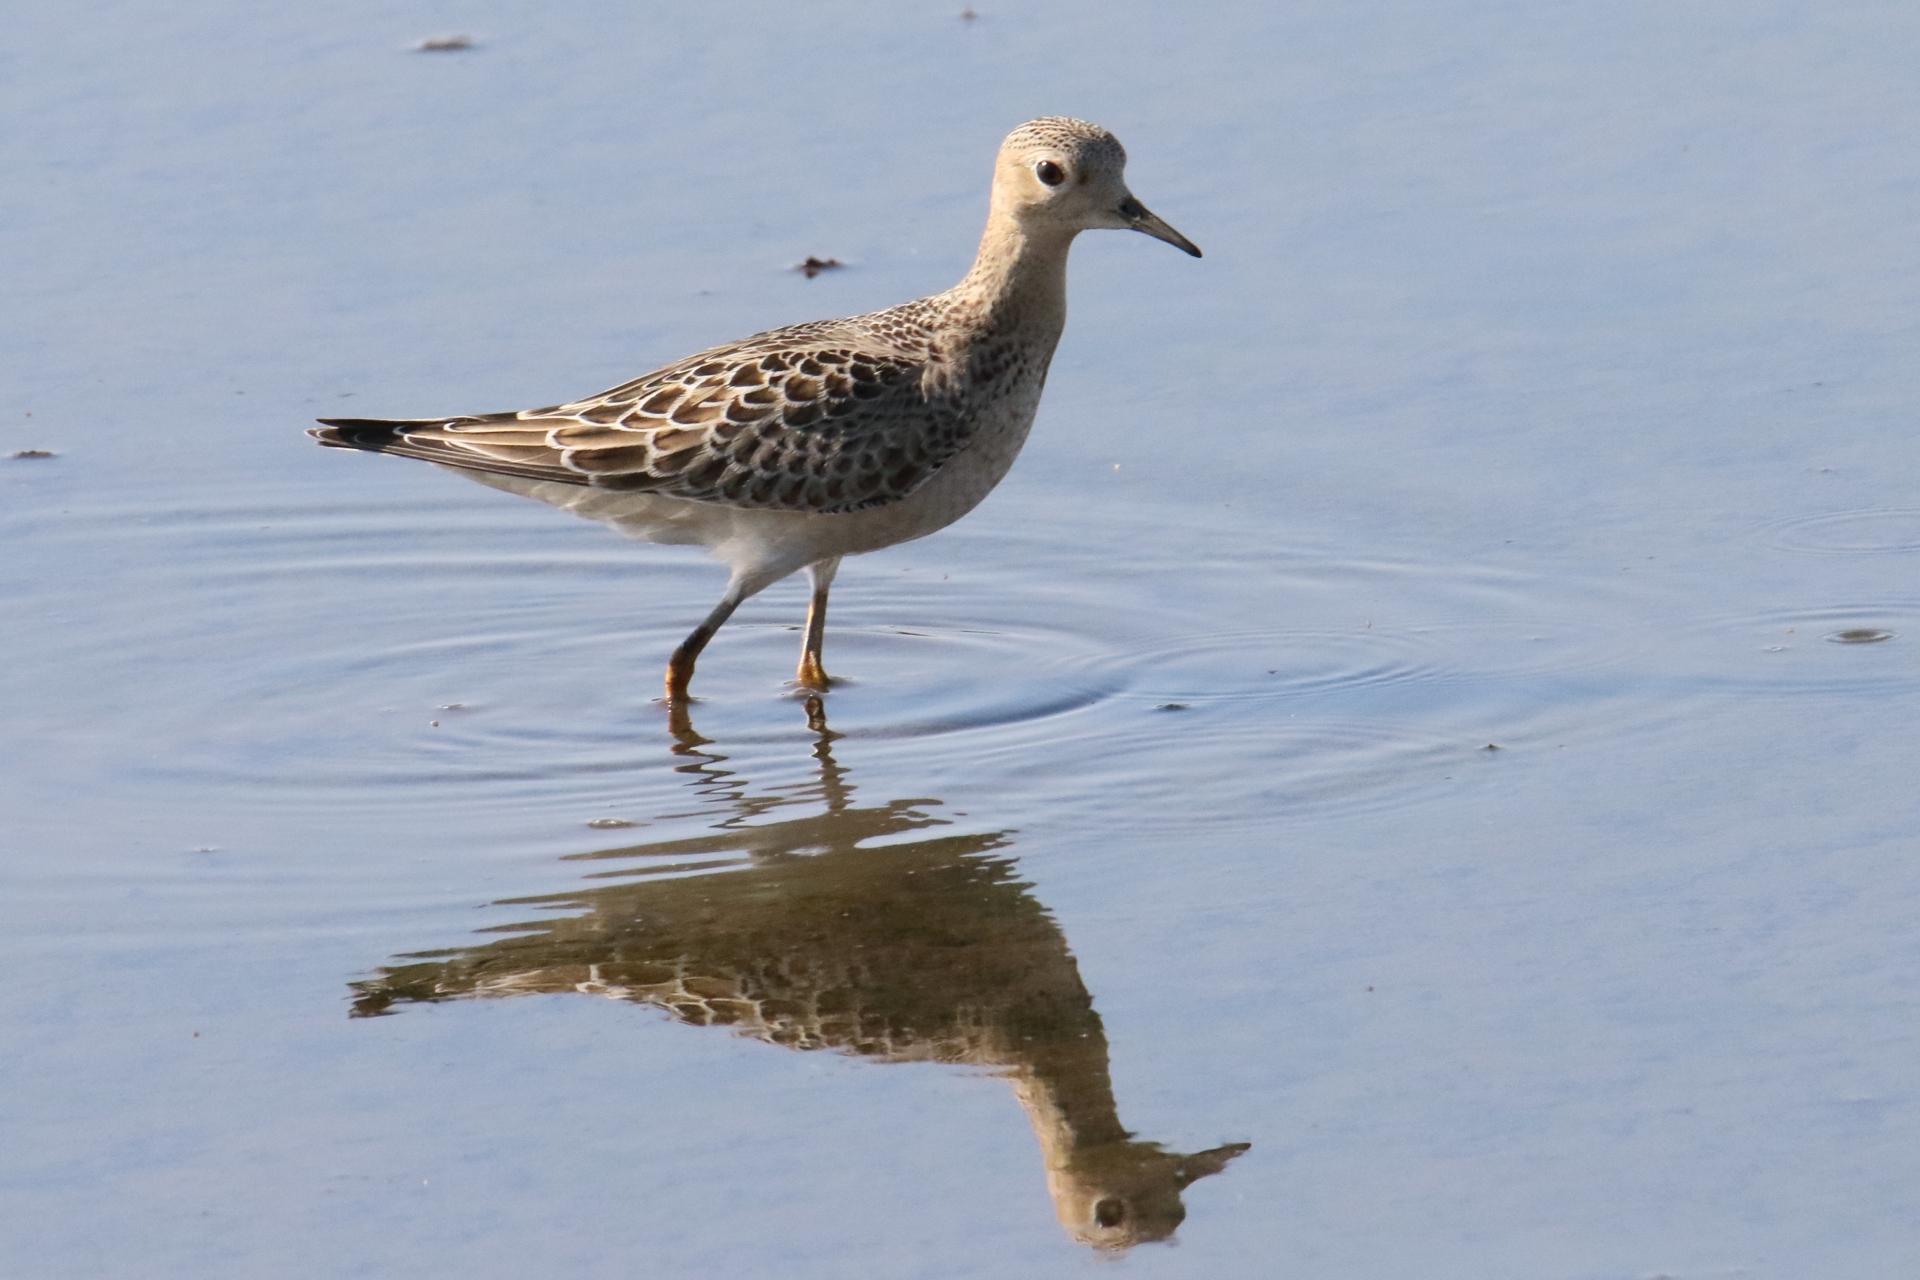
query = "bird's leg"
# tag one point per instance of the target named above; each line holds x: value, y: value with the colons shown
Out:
x: 812, y: 675
x: 680, y: 666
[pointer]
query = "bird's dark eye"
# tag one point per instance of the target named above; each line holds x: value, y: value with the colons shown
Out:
x: 1050, y: 173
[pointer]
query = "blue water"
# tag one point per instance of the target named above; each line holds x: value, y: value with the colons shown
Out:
x: 1437, y: 690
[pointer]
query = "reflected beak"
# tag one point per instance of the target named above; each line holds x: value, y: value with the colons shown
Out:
x: 1204, y: 1164
x: 1140, y: 219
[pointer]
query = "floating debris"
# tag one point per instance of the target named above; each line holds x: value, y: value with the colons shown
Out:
x: 610, y: 824
x: 968, y: 15
x: 814, y: 266
x: 1858, y: 635
x: 1173, y: 706
x: 1491, y: 746
x: 444, y: 44
x: 34, y: 453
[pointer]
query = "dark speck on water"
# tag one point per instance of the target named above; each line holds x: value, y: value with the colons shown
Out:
x: 34, y: 453
x: 814, y: 266
x: 444, y: 44
x: 1860, y: 635
x: 1173, y: 706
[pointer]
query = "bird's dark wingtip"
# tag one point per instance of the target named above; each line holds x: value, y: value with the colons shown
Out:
x: 353, y: 433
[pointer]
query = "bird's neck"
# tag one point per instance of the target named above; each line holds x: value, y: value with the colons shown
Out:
x: 1018, y: 285
x: 1067, y: 1092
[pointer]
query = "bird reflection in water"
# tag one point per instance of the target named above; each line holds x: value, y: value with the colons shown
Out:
x: 795, y: 932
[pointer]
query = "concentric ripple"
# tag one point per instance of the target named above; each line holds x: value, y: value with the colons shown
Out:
x: 1425, y: 658
x: 1869, y: 531
x: 1844, y: 649
x: 465, y: 668
x: 484, y: 655
x: 1288, y: 769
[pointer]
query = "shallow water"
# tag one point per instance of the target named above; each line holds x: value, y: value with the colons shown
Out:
x: 1433, y: 703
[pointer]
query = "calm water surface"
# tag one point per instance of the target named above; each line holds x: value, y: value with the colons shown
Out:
x: 1411, y: 775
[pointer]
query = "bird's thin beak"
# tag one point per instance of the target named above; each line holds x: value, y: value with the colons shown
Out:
x: 1140, y: 219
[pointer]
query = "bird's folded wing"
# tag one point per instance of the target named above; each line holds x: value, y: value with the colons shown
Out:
x: 818, y: 429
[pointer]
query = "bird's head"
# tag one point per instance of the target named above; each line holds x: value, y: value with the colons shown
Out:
x: 1068, y: 175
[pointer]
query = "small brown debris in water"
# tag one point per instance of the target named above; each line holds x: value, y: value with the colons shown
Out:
x: 33, y: 453
x: 1857, y: 635
x: 814, y: 266
x: 1491, y: 746
x: 610, y: 824
x: 968, y: 15
x: 1173, y: 706
x: 444, y: 44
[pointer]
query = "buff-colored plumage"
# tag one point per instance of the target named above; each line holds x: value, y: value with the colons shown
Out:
x: 799, y: 446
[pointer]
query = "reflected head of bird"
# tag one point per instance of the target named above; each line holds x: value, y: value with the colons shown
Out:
x: 1066, y: 176
x: 1117, y: 1196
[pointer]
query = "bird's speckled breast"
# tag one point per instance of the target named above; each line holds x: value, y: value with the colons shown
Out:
x: 999, y: 376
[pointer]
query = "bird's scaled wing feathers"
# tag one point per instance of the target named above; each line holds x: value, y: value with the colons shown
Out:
x: 819, y: 427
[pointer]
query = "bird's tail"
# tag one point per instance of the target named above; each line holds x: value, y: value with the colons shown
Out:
x: 376, y: 434
x: 500, y: 444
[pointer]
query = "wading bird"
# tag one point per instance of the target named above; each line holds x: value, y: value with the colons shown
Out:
x: 796, y: 447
